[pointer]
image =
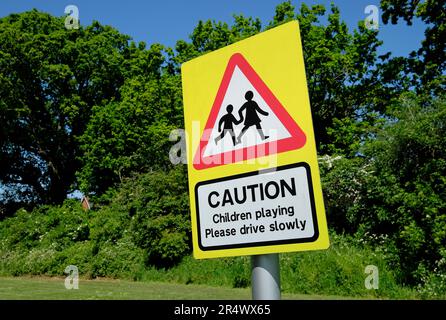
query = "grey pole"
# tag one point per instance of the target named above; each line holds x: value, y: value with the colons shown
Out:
x: 265, y: 277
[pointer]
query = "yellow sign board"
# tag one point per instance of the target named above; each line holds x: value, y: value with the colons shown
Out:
x: 252, y: 164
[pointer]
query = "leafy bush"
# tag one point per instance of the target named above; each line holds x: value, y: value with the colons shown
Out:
x: 109, y: 224
x: 79, y: 254
x: 433, y: 285
x: 340, y: 270
x: 396, y: 191
x: 123, y: 259
x: 153, y: 210
x: 145, y: 221
x: 47, y: 226
x: 342, y: 180
x: 12, y: 262
x: 406, y: 196
x: 160, y: 222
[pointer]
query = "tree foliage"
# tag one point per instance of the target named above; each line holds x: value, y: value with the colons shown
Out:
x: 428, y: 63
x: 132, y: 134
x: 50, y: 79
x: 97, y: 108
x: 396, y: 194
x: 406, y: 195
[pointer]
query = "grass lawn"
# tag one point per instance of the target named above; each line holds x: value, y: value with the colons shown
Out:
x: 44, y: 288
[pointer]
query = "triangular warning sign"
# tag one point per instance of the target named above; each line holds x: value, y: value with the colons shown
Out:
x: 246, y: 120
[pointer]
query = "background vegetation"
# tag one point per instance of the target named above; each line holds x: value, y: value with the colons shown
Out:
x: 90, y: 109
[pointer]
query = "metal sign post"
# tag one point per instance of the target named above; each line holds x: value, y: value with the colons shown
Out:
x: 265, y: 277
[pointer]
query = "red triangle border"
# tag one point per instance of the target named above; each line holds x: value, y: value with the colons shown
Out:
x: 296, y: 141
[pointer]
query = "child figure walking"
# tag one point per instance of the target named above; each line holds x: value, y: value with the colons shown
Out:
x: 252, y: 118
x: 228, y: 120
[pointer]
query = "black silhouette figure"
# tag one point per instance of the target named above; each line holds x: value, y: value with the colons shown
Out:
x: 227, y: 120
x: 252, y: 118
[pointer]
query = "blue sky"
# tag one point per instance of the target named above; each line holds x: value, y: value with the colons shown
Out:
x: 171, y: 20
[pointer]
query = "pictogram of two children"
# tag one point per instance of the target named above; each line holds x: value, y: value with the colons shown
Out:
x: 251, y: 118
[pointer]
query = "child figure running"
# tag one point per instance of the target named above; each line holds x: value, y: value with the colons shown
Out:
x: 227, y: 121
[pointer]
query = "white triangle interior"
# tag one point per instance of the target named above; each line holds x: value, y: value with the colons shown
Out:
x: 235, y: 95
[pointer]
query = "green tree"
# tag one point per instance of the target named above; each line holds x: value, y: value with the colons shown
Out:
x: 428, y: 63
x: 342, y: 80
x: 211, y: 35
x: 50, y: 78
x: 396, y: 194
x: 132, y: 134
x: 159, y: 205
x: 406, y: 196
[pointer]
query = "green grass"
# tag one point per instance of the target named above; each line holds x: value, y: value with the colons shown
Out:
x: 336, y: 272
x: 53, y: 288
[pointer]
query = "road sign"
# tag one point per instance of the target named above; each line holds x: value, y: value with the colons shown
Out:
x: 252, y: 164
